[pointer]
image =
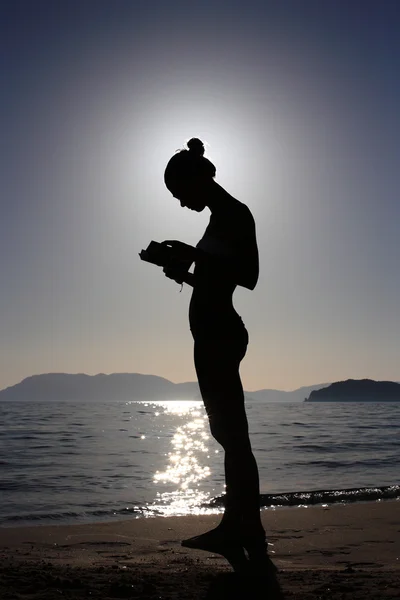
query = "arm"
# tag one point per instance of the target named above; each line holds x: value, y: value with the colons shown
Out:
x: 179, y: 275
x: 242, y: 264
x: 189, y: 279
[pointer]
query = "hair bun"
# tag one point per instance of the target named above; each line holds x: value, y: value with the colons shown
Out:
x: 196, y: 146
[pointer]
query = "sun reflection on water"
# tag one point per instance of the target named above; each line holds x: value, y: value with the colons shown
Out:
x: 187, y: 462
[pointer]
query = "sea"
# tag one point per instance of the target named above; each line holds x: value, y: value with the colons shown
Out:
x: 80, y: 462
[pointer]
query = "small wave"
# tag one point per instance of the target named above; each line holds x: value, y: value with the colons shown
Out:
x: 365, y: 494
x: 69, y: 516
x: 266, y: 500
x: 350, y: 463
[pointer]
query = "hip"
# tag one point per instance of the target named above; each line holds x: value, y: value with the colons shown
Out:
x: 218, y: 326
x: 215, y: 349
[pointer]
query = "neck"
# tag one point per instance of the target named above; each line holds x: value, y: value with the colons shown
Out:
x: 217, y: 197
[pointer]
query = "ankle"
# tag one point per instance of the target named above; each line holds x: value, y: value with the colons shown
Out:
x: 229, y: 527
x: 252, y: 529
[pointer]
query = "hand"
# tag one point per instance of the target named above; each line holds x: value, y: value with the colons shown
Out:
x: 181, y: 251
x: 177, y: 273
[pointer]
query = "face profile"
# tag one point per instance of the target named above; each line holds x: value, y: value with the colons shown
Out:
x: 189, y: 176
x: 191, y: 194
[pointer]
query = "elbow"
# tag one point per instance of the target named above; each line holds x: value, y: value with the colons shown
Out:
x: 248, y: 281
x: 249, y: 273
x: 250, y: 285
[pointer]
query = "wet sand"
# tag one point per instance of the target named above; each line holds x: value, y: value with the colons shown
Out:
x: 339, y: 552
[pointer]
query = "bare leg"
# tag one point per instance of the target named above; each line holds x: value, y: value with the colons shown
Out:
x: 217, y: 366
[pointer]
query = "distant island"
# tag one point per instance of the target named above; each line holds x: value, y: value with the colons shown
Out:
x: 357, y: 390
x: 125, y: 387
x: 138, y: 386
x: 101, y: 387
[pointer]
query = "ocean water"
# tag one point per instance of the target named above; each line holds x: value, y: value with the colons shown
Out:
x: 63, y: 462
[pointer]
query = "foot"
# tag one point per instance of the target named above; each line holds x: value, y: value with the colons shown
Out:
x: 219, y: 541
x: 212, y: 541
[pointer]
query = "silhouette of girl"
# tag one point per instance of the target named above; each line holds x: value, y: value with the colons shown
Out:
x: 225, y: 257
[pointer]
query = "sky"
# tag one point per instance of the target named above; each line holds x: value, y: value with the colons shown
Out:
x: 297, y: 103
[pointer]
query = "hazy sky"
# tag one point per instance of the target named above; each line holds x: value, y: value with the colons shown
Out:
x: 299, y: 105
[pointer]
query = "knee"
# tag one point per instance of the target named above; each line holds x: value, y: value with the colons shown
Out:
x: 232, y: 440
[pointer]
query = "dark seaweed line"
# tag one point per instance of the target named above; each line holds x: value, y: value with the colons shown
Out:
x: 365, y: 494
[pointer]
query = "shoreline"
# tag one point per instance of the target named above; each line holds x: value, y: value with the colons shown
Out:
x: 354, y: 521
x: 292, y: 500
x: 318, y: 547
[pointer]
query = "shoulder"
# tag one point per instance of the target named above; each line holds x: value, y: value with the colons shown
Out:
x: 242, y: 216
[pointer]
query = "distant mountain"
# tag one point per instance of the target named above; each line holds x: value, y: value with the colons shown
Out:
x: 125, y: 386
x: 357, y: 390
x: 281, y: 396
x: 117, y: 386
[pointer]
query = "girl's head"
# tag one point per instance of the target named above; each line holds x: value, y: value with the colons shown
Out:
x: 188, y: 175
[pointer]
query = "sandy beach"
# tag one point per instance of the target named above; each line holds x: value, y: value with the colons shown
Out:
x: 335, y: 552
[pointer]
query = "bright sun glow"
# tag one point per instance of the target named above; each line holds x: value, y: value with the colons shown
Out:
x: 170, y: 123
